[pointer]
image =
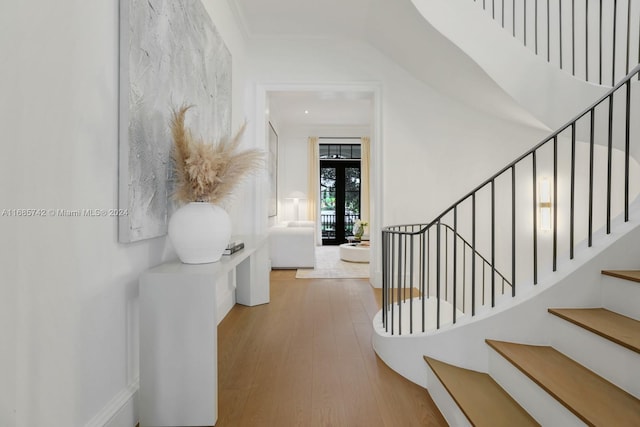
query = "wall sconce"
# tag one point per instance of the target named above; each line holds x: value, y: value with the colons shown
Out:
x: 544, y: 203
x: 296, y: 196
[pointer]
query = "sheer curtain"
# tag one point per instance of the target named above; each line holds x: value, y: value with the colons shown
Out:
x: 365, y: 143
x: 314, y: 183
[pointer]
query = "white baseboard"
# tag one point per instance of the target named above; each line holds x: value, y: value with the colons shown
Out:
x: 121, y: 411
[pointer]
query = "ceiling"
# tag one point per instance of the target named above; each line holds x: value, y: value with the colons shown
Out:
x: 304, y: 18
x: 311, y: 108
x: 311, y: 19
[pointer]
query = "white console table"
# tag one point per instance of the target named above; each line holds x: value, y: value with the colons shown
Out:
x: 178, y: 333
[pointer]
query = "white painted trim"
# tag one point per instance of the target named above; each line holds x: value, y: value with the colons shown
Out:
x: 376, y: 175
x: 121, y: 411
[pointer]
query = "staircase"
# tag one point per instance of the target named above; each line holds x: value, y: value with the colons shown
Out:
x: 529, y: 384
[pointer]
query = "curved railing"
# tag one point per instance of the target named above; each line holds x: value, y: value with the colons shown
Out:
x: 597, y: 41
x: 505, y: 218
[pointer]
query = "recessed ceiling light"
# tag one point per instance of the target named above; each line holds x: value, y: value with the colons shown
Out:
x: 306, y: 111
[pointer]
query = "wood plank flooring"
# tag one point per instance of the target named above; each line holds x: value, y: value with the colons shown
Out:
x: 306, y: 359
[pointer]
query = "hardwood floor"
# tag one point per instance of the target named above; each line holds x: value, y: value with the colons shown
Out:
x: 306, y: 359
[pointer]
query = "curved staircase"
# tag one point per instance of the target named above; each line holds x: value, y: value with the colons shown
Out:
x: 510, y: 315
x: 553, y: 387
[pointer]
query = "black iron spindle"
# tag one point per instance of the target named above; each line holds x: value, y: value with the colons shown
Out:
x: 591, y: 149
x: 609, y: 158
x: 615, y: 30
x: 502, y: 14
x: 513, y: 230
x: 573, y: 37
x: 438, y: 274
x: 548, y: 33
x: 524, y: 23
x: 573, y: 186
x: 455, y: 259
x: 400, y: 274
x: 423, y: 259
x: 535, y: 218
x: 627, y: 128
x: 555, y: 202
x: 586, y: 40
x: 628, y: 33
x: 600, y: 36
x: 513, y: 17
x: 446, y: 264
x: 536, y: 25
x: 411, y: 243
x: 560, y: 30
x: 473, y: 252
x: 493, y: 243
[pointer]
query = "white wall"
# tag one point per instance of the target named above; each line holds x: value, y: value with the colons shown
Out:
x: 69, y: 290
x: 434, y: 149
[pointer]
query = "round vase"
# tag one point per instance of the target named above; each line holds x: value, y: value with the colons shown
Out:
x: 199, y: 232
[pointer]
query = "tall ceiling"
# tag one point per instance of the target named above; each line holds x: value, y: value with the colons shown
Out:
x: 306, y: 18
x: 311, y: 19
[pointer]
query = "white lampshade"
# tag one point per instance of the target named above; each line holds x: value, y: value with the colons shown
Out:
x: 296, y: 195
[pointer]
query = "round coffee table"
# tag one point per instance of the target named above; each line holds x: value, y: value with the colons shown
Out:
x: 353, y: 252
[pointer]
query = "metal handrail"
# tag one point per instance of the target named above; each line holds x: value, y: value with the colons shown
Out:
x: 407, y: 252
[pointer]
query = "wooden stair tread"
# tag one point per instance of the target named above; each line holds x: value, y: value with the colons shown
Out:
x: 632, y: 275
x: 590, y: 397
x: 615, y: 327
x: 480, y: 398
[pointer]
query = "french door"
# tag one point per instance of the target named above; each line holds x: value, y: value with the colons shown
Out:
x: 339, y: 199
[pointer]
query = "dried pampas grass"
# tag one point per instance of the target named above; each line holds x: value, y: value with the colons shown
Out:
x: 209, y: 172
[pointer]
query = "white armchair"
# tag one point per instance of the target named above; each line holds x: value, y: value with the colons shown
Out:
x: 292, y: 245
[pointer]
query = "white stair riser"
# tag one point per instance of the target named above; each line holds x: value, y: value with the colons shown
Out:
x: 448, y: 407
x: 621, y: 296
x: 536, y: 401
x: 611, y: 361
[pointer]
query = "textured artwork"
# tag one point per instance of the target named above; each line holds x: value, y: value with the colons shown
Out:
x: 170, y: 54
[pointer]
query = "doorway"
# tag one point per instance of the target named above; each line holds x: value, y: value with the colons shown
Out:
x: 339, y: 199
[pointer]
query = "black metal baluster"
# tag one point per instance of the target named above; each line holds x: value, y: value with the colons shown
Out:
x: 391, y: 295
x: 591, y: 148
x: 493, y: 9
x: 446, y: 264
x: 455, y: 259
x: 613, y: 61
x: 573, y: 186
x: 385, y: 282
x: 464, y: 278
x: 502, y: 14
x: 536, y: 25
x: 573, y: 37
x: 513, y: 17
x: 555, y: 202
x: 535, y: 218
x: 428, y: 262
x: 400, y: 274
x: 548, y: 33
x: 524, y: 23
x: 411, y: 244
x: 609, y: 157
x: 628, y: 33
x: 600, y: 35
x: 586, y: 40
x: 473, y: 254
x: 513, y: 231
x: 560, y: 29
x: 493, y: 243
x: 424, y: 260
x: 438, y: 274
x: 626, y: 151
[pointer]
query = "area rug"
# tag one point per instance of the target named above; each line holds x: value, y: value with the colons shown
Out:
x: 330, y: 266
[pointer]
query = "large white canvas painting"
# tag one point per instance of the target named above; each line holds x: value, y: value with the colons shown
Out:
x: 170, y: 54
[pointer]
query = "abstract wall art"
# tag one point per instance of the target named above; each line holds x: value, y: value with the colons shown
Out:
x: 170, y: 54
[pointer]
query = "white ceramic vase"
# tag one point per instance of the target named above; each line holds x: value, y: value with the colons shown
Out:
x: 200, y: 232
